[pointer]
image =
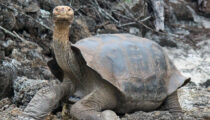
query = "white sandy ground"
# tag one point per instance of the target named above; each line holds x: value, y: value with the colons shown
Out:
x: 195, y: 64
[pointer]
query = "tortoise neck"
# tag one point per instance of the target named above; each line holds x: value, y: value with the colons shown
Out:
x: 64, y: 54
x: 61, y: 33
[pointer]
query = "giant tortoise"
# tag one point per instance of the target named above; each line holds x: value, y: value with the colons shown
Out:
x: 119, y: 72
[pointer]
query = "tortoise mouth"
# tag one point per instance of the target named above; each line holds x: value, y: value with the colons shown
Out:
x: 62, y: 18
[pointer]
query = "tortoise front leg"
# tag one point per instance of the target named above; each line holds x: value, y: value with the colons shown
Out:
x: 90, y: 107
x: 46, y: 100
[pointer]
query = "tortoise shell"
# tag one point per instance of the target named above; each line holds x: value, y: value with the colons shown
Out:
x: 136, y: 66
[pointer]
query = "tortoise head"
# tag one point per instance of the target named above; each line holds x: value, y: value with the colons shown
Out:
x: 63, y: 14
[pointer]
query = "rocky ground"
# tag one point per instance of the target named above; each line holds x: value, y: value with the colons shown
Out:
x: 26, y: 34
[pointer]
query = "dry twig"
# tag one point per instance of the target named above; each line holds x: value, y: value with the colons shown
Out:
x: 14, y: 34
x: 104, y: 13
x: 132, y: 23
x: 132, y: 18
x: 7, y: 31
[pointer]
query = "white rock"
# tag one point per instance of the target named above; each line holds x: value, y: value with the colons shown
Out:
x: 109, y: 115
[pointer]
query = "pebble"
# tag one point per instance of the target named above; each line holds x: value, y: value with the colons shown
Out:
x: 208, y: 89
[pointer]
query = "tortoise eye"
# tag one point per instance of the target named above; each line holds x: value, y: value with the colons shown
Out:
x: 69, y: 9
x: 56, y: 9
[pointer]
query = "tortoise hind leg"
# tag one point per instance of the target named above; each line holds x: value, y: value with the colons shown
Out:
x: 172, y: 104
